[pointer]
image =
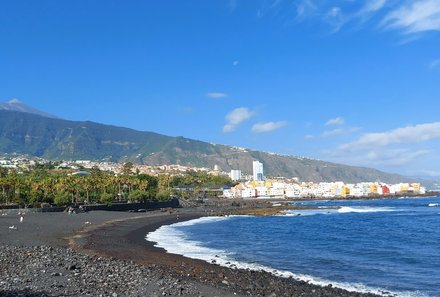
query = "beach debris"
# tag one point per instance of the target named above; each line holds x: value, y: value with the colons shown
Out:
x: 87, y: 223
x: 12, y: 228
x: 21, y: 219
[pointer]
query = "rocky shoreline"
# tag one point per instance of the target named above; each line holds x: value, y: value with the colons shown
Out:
x: 112, y: 258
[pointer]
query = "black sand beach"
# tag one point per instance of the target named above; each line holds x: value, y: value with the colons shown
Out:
x: 105, y: 254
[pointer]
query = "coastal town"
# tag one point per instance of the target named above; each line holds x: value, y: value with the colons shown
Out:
x: 247, y: 186
x: 259, y: 187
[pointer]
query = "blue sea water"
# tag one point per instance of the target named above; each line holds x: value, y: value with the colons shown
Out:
x: 390, y: 245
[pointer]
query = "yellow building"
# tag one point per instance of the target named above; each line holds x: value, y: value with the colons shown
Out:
x: 374, y: 188
x: 404, y: 188
x: 416, y: 187
x: 345, y: 191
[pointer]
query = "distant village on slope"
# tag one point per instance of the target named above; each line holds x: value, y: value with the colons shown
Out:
x: 247, y: 186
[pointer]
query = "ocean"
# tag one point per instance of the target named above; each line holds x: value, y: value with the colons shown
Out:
x: 385, y: 245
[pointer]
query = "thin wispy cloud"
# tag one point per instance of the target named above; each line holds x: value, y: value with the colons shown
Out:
x: 335, y: 18
x: 232, y: 5
x: 415, y: 17
x: 309, y: 137
x: 235, y: 63
x: 373, y: 6
x: 379, y: 157
x: 216, y: 95
x: 407, y: 16
x: 305, y: 8
x: 410, y: 134
x: 435, y: 64
x: 335, y: 122
x: 268, y: 127
x: 425, y: 173
x: 369, y: 10
x: 333, y: 132
x: 394, y: 156
x: 236, y: 117
x: 339, y: 131
x: 188, y: 110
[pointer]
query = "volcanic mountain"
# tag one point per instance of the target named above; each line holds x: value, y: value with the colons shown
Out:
x: 25, y: 130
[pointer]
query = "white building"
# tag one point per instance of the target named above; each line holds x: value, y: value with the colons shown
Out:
x: 248, y: 193
x: 235, y: 175
x: 262, y: 191
x: 258, y: 171
x: 293, y: 191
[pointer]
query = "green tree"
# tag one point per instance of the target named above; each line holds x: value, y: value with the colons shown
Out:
x: 106, y: 198
x: 127, y: 169
x: 163, y: 195
x: 139, y: 195
x: 62, y: 198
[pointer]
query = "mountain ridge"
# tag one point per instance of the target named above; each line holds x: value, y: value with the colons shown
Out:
x: 17, y: 105
x: 58, y: 139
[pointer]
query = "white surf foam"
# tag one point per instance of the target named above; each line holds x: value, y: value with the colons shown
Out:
x: 348, y: 209
x: 310, y: 212
x: 341, y: 210
x: 433, y: 204
x: 174, y: 241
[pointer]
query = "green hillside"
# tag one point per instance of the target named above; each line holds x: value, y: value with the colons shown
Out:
x: 57, y: 139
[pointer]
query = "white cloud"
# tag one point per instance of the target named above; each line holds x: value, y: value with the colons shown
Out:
x: 309, y: 137
x: 268, y: 127
x: 236, y: 117
x: 434, y: 64
x: 409, y: 134
x: 235, y: 63
x: 415, y: 17
x: 335, y: 122
x: 215, y: 95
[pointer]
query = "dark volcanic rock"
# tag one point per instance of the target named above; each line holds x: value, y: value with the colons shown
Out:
x: 46, y: 271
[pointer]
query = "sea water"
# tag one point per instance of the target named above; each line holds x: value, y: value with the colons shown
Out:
x: 389, y: 245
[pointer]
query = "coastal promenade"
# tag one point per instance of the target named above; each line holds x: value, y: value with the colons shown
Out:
x: 105, y: 254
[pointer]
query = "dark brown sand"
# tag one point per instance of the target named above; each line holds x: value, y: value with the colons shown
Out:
x: 122, y: 236
x: 50, y: 228
x: 126, y: 240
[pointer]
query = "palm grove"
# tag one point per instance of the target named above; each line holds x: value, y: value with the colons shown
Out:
x: 43, y: 183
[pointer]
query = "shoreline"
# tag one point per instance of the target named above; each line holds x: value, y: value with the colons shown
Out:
x: 119, y: 238
x: 133, y: 246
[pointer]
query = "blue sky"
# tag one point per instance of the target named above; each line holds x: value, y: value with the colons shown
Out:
x: 356, y: 82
